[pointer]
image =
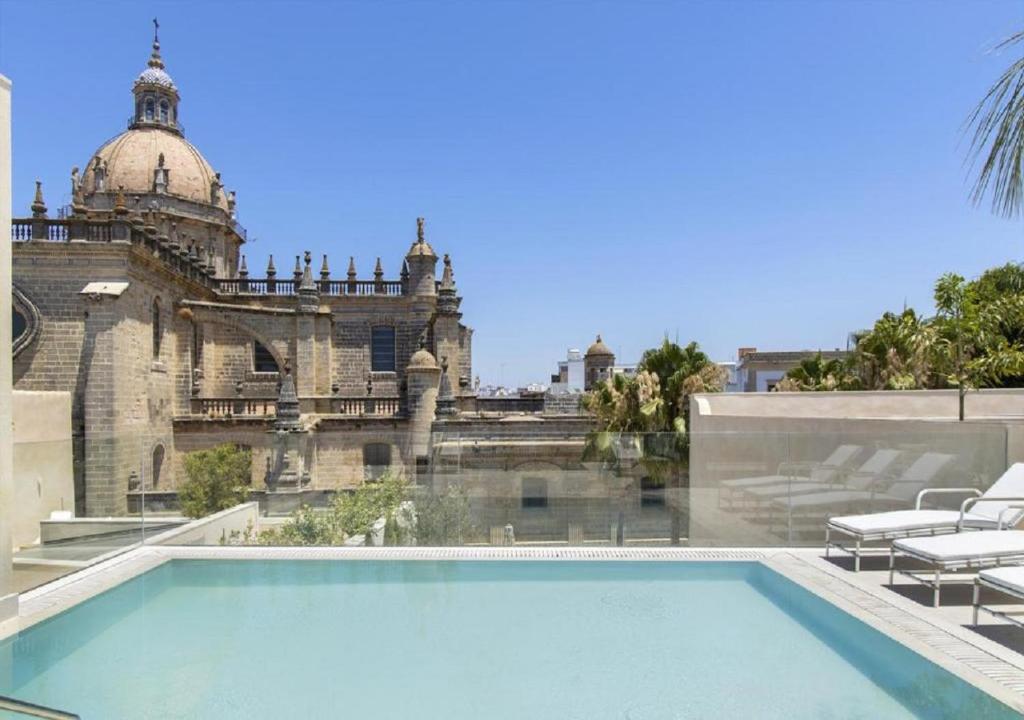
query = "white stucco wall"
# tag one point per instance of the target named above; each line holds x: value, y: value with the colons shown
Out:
x: 43, y: 465
x: 8, y: 603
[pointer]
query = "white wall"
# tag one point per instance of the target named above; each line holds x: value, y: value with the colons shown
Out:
x: 43, y: 465
x: 8, y: 601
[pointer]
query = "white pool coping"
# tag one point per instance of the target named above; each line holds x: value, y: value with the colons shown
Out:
x: 981, y: 662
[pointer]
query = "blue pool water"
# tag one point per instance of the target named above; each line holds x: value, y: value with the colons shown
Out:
x: 470, y: 640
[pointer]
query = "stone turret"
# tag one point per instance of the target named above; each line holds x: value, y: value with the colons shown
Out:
x: 422, y: 375
x: 446, y: 327
x: 597, y: 364
x: 422, y: 262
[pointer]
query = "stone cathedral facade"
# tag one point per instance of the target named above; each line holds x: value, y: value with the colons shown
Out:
x: 139, y: 300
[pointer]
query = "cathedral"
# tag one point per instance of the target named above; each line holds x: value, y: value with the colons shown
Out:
x: 139, y: 300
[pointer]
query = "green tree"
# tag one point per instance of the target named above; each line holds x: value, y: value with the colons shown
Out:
x: 348, y: 514
x: 444, y: 518
x: 218, y: 479
x: 895, y: 354
x: 650, y: 414
x: 816, y: 373
x: 998, y: 122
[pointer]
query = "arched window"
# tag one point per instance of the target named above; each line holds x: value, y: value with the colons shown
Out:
x: 262, y: 359
x: 158, y: 465
x: 376, y: 460
x: 18, y: 324
x: 157, y: 330
x: 164, y: 111
x: 150, y: 110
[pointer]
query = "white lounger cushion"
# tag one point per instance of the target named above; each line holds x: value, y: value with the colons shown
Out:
x: 1010, y: 579
x: 908, y: 521
x: 984, y: 545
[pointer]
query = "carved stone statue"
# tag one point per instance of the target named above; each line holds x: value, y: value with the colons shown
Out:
x: 99, y: 173
x: 76, y: 181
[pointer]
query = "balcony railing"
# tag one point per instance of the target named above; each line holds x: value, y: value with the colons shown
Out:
x: 233, y: 407
x: 273, y: 286
x: 367, y: 406
x: 184, y: 260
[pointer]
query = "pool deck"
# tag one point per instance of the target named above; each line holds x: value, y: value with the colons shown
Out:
x: 990, y: 657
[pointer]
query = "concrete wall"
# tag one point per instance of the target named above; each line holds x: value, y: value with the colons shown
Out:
x: 923, y: 404
x: 43, y: 461
x: 214, y: 529
x: 8, y: 601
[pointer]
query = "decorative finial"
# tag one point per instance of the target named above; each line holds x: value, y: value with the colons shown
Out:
x: 271, y: 270
x: 297, y: 272
x: 378, y: 271
x: 325, y: 272
x: 351, y: 268
x: 38, y: 206
x: 119, y: 205
x: 243, y: 269
x: 155, y: 61
x: 447, y: 279
x: 420, y: 234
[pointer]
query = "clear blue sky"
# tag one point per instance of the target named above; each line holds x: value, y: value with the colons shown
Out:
x: 747, y: 173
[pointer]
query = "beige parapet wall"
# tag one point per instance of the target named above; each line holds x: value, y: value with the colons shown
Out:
x: 216, y: 529
x: 890, y: 404
x: 43, y: 461
x: 745, y: 435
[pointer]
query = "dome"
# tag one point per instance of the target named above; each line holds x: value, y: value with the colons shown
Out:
x: 132, y: 157
x: 599, y: 349
x: 422, y: 360
x: 155, y: 76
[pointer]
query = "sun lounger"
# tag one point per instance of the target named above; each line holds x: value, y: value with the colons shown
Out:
x: 985, y: 514
x: 824, y: 471
x: 969, y: 551
x: 868, y: 474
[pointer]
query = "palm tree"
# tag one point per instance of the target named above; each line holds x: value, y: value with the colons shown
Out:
x: 651, y: 412
x: 998, y: 123
x: 816, y: 373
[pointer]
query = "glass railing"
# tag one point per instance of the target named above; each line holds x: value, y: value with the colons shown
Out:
x: 738, y: 489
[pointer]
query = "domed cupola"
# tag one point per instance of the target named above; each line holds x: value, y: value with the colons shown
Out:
x: 156, y: 96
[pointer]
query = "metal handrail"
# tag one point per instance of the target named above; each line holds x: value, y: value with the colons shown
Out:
x: 33, y: 710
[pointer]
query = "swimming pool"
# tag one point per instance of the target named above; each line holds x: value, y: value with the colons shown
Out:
x: 465, y: 639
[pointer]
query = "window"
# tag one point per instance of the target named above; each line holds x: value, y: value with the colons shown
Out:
x: 262, y: 360
x: 535, y: 493
x: 197, y: 345
x: 382, y: 349
x: 652, y: 493
x: 150, y: 110
x: 157, y: 330
x: 376, y: 460
x: 158, y: 465
x: 164, y: 111
x: 18, y: 324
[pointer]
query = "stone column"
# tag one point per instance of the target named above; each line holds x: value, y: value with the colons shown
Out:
x: 8, y: 600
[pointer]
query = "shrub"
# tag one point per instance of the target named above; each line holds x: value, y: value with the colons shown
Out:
x: 217, y: 480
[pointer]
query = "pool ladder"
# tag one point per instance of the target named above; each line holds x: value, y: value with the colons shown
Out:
x: 39, y: 711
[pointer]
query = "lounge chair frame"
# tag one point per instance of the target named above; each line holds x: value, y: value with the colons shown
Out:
x: 933, y: 578
x: 1010, y: 616
x: 858, y: 538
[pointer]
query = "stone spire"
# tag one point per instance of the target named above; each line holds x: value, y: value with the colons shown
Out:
x: 297, y: 272
x: 445, y: 396
x: 308, y: 291
x: 448, y: 300
x: 287, y: 411
x: 271, y: 270
x: 243, y: 269
x: 325, y: 272
x: 38, y: 205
